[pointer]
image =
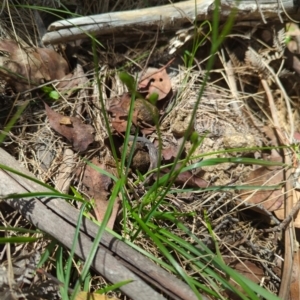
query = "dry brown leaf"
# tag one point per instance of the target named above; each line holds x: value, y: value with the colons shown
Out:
x: 65, y: 121
x: 155, y: 81
x: 297, y: 136
x: 73, y: 81
x: 191, y: 180
x: 271, y: 200
x: 143, y: 113
x: 250, y: 271
x: 26, y: 67
x: 172, y: 151
x: 187, y: 178
x: 119, y: 109
x: 79, y: 134
x: 98, y: 186
x: 169, y: 153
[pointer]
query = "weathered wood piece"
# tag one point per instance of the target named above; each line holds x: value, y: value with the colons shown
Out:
x: 168, y: 18
x: 115, y: 260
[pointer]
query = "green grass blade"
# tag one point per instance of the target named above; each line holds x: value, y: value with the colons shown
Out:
x: 98, y: 236
x: 47, y: 253
x: 101, y: 171
x: 60, y: 270
x: 202, y: 251
x: 44, y: 195
x: 12, y: 121
x: 113, y: 287
x: 19, y: 239
x: 72, y: 251
x: 167, y: 254
x: 6, y: 168
x: 18, y: 229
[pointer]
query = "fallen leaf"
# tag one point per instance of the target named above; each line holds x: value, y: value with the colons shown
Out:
x: 27, y: 67
x: 155, y: 81
x: 79, y: 134
x: 169, y: 153
x: 297, y: 136
x: 187, y: 178
x: 119, y: 109
x: 271, y: 200
x: 144, y: 113
x: 172, y: 151
x: 77, y: 80
x: 248, y: 269
x: 191, y: 180
x: 98, y: 186
x: 65, y: 121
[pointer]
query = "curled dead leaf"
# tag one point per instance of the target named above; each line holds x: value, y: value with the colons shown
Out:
x: 97, y: 187
x: 271, y: 200
x: 187, y: 178
x: 169, y: 153
x: 191, y: 180
x: 247, y: 268
x: 73, y: 81
x: 155, y: 81
x: 297, y: 136
x: 79, y: 134
x: 144, y: 113
x: 27, y: 67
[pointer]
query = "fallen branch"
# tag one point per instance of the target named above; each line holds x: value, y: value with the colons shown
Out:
x: 168, y: 18
x: 290, y: 240
x: 115, y: 260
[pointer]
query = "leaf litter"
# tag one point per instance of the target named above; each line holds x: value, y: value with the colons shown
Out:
x: 78, y: 133
x: 155, y: 81
x: 25, y: 67
x: 98, y: 188
x: 143, y: 113
x: 237, y: 225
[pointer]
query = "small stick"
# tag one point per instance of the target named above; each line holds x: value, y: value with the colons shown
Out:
x: 283, y: 225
